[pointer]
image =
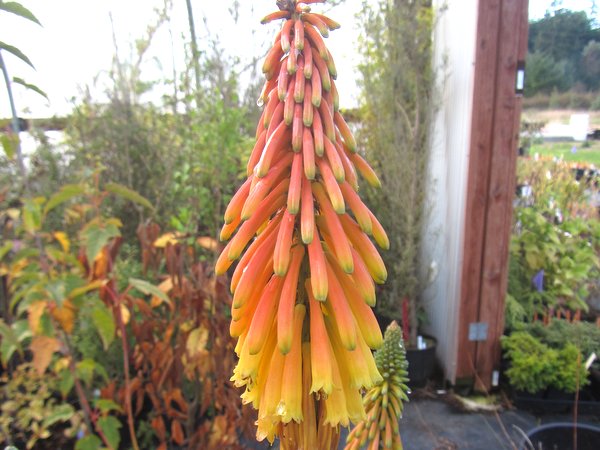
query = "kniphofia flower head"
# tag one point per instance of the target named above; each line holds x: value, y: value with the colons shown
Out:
x: 303, y: 284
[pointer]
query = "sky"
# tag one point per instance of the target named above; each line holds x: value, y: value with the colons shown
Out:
x: 73, y: 50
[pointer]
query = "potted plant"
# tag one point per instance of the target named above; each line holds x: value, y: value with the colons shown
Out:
x: 548, y: 363
x: 395, y: 114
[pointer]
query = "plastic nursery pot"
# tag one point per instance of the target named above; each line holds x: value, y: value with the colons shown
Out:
x: 559, y: 436
x: 421, y: 362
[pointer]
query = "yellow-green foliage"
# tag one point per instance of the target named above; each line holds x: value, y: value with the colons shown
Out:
x: 535, y: 367
x: 30, y: 412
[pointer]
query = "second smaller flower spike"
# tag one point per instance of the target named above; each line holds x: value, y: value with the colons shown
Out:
x: 384, y: 402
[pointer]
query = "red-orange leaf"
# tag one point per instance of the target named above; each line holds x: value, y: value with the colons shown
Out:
x: 177, y: 432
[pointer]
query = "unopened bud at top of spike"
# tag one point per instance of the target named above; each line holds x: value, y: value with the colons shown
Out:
x: 331, y: 24
x: 318, y: 270
x: 321, y: 65
x: 308, y: 154
x: 308, y: 63
x: 307, y: 213
x: 308, y: 110
x: 282, y: 82
x: 345, y: 131
x: 365, y: 170
x: 297, y: 128
x: 299, y: 87
x: 299, y: 35
x: 292, y: 61
x: 275, y: 16
x: 317, y: 22
x: 316, y: 40
x: 285, y: 35
x: 289, y: 104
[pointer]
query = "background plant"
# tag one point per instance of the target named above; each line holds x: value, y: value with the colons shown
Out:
x: 534, y: 366
x: 66, y: 301
x: 31, y: 412
x: 182, y: 154
x: 584, y: 335
x: 395, y: 113
x: 556, y: 238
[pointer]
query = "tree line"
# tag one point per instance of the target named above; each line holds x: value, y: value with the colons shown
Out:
x: 563, y: 53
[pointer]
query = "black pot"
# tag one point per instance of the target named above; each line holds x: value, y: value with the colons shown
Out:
x: 559, y: 436
x: 421, y: 363
x: 557, y: 402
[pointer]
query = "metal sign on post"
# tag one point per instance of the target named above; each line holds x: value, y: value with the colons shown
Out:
x: 478, y: 331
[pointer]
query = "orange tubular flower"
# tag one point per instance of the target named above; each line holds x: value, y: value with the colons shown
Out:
x: 304, y: 282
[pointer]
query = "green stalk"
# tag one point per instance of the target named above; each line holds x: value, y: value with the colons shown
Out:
x: 14, y: 121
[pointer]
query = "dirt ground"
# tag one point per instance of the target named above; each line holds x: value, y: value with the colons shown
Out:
x: 436, y: 424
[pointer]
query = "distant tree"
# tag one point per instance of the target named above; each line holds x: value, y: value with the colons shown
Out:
x: 556, y: 44
x: 590, y: 65
x: 544, y: 74
x: 562, y: 35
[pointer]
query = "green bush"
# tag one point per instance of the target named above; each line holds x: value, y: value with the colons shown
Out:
x: 584, y: 335
x: 567, y: 252
x: 534, y: 366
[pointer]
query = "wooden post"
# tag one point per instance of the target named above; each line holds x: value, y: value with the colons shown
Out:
x: 501, y: 44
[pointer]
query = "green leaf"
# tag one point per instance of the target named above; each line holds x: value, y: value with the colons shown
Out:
x: 128, y: 194
x: 19, y: 10
x: 32, y: 216
x: 32, y: 253
x: 89, y: 442
x: 96, y: 238
x: 104, y: 323
x: 66, y: 193
x: 532, y: 260
x: 87, y: 368
x: 9, y: 344
x: 106, y: 405
x: 110, y: 427
x: 21, y: 329
x: 65, y: 382
x: 9, y: 144
x: 7, y: 247
x: 149, y: 289
x: 15, y: 51
x: 31, y: 87
x: 57, y: 291
x: 78, y: 292
x: 61, y: 413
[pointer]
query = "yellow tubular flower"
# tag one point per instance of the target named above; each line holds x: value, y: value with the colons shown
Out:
x: 290, y: 407
x: 304, y: 282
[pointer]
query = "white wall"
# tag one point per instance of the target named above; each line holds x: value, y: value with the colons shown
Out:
x: 454, y: 57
